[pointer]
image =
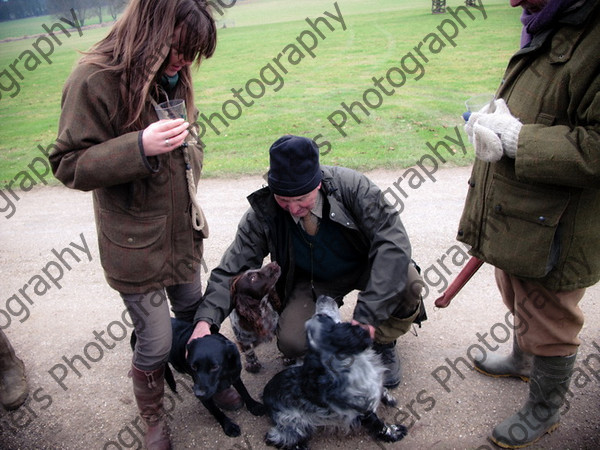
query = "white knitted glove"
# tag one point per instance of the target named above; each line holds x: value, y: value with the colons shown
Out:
x: 488, y: 146
x: 495, y: 133
x: 472, y: 118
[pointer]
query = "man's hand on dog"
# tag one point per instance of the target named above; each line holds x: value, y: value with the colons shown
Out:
x: 202, y: 329
x: 369, y: 328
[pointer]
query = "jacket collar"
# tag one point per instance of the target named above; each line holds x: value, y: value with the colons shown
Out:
x: 575, y: 18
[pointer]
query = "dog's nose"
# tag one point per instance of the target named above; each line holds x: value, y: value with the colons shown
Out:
x: 199, y: 392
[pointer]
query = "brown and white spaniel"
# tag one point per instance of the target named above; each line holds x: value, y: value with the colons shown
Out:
x: 255, y: 310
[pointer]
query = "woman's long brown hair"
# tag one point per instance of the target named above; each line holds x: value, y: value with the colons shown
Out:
x: 138, y: 46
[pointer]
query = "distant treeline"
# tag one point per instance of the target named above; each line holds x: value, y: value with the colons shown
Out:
x: 104, y: 10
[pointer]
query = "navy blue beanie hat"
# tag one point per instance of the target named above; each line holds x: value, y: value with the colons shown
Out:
x: 294, y: 168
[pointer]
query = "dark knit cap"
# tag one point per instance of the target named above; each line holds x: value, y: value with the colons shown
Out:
x: 294, y: 168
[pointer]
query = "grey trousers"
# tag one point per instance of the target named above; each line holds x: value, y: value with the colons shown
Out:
x: 152, y: 320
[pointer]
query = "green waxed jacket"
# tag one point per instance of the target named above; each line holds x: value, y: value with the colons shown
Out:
x: 538, y: 216
x: 355, y: 203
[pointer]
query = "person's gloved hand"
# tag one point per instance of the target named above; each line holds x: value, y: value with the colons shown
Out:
x: 495, y: 133
x: 473, y: 116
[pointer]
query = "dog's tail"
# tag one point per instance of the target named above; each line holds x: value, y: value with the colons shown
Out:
x: 170, y: 379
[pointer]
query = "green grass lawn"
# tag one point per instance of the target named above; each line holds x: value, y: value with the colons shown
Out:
x: 378, y: 36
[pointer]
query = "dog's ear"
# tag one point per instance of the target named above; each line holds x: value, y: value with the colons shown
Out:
x: 231, y: 357
x: 317, y: 382
x: 247, y: 308
x: 274, y: 299
x: 233, y: 289
x: 349, y: 339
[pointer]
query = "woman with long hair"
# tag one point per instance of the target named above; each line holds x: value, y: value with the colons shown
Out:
x: 143, y: 173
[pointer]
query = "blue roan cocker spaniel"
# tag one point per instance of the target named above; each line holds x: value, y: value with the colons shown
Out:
x: 340, y: 384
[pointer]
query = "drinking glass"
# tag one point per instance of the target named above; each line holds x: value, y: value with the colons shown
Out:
x: 175, y: 109
x: 475, y: 103
x: 171, y: 109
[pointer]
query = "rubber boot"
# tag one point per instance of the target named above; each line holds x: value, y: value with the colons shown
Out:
x: 149, y: 390
x: 548, y: 387
x: 13, y: 384
x: 393, y: 374
x: 518, y: 364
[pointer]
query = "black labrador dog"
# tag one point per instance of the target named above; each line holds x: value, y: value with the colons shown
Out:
x: 213, y: 362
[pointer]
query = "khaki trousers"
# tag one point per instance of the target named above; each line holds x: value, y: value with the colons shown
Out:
x: 546, y: 323
x: 300, y: 306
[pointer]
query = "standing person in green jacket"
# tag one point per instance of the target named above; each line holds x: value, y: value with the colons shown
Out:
x: 534, y: 200
x: 331, y: 231
x: 144, y: 174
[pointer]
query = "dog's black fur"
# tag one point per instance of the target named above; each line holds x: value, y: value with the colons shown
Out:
x: 340, y: 384
x: 213, y: 362
x: 255, y: 310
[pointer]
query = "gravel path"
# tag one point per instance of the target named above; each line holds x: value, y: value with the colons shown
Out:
x: 68, y: 327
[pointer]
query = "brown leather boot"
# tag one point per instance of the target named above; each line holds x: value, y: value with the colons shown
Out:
x: 228, y: 399
x: 149, y: 389
x: 13, y: 385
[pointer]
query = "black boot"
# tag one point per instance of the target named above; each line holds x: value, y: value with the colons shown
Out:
x: 389, y: 358
x: 13, y: 385
x: 149, y: 390
x: 548, y: 387
x: 517, y: 364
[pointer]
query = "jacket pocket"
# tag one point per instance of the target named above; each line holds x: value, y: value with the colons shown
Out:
x: 524, y: 240
x: 132, y: 249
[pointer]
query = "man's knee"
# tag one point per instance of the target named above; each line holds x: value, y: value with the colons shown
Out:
x: 410, y: 299
x: 291, y: 346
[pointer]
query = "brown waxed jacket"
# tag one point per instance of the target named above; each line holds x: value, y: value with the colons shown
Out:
x: 142, y: 205
x: 537, y: 216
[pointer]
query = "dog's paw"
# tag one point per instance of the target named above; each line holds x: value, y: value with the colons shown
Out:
x: 289, y: 361
x: 253, y: 367
x: 388, y: 399
x: 257, y: 409
x: 392, y: 433
x: 231, y: 429
x: 271, y: 442
x: 302, y: 445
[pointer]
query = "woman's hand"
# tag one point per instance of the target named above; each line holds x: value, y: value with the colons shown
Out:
x: 164, y: 136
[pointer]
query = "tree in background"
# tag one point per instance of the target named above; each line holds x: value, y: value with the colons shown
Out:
x: 84, y: 9
x: 20, y: 9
